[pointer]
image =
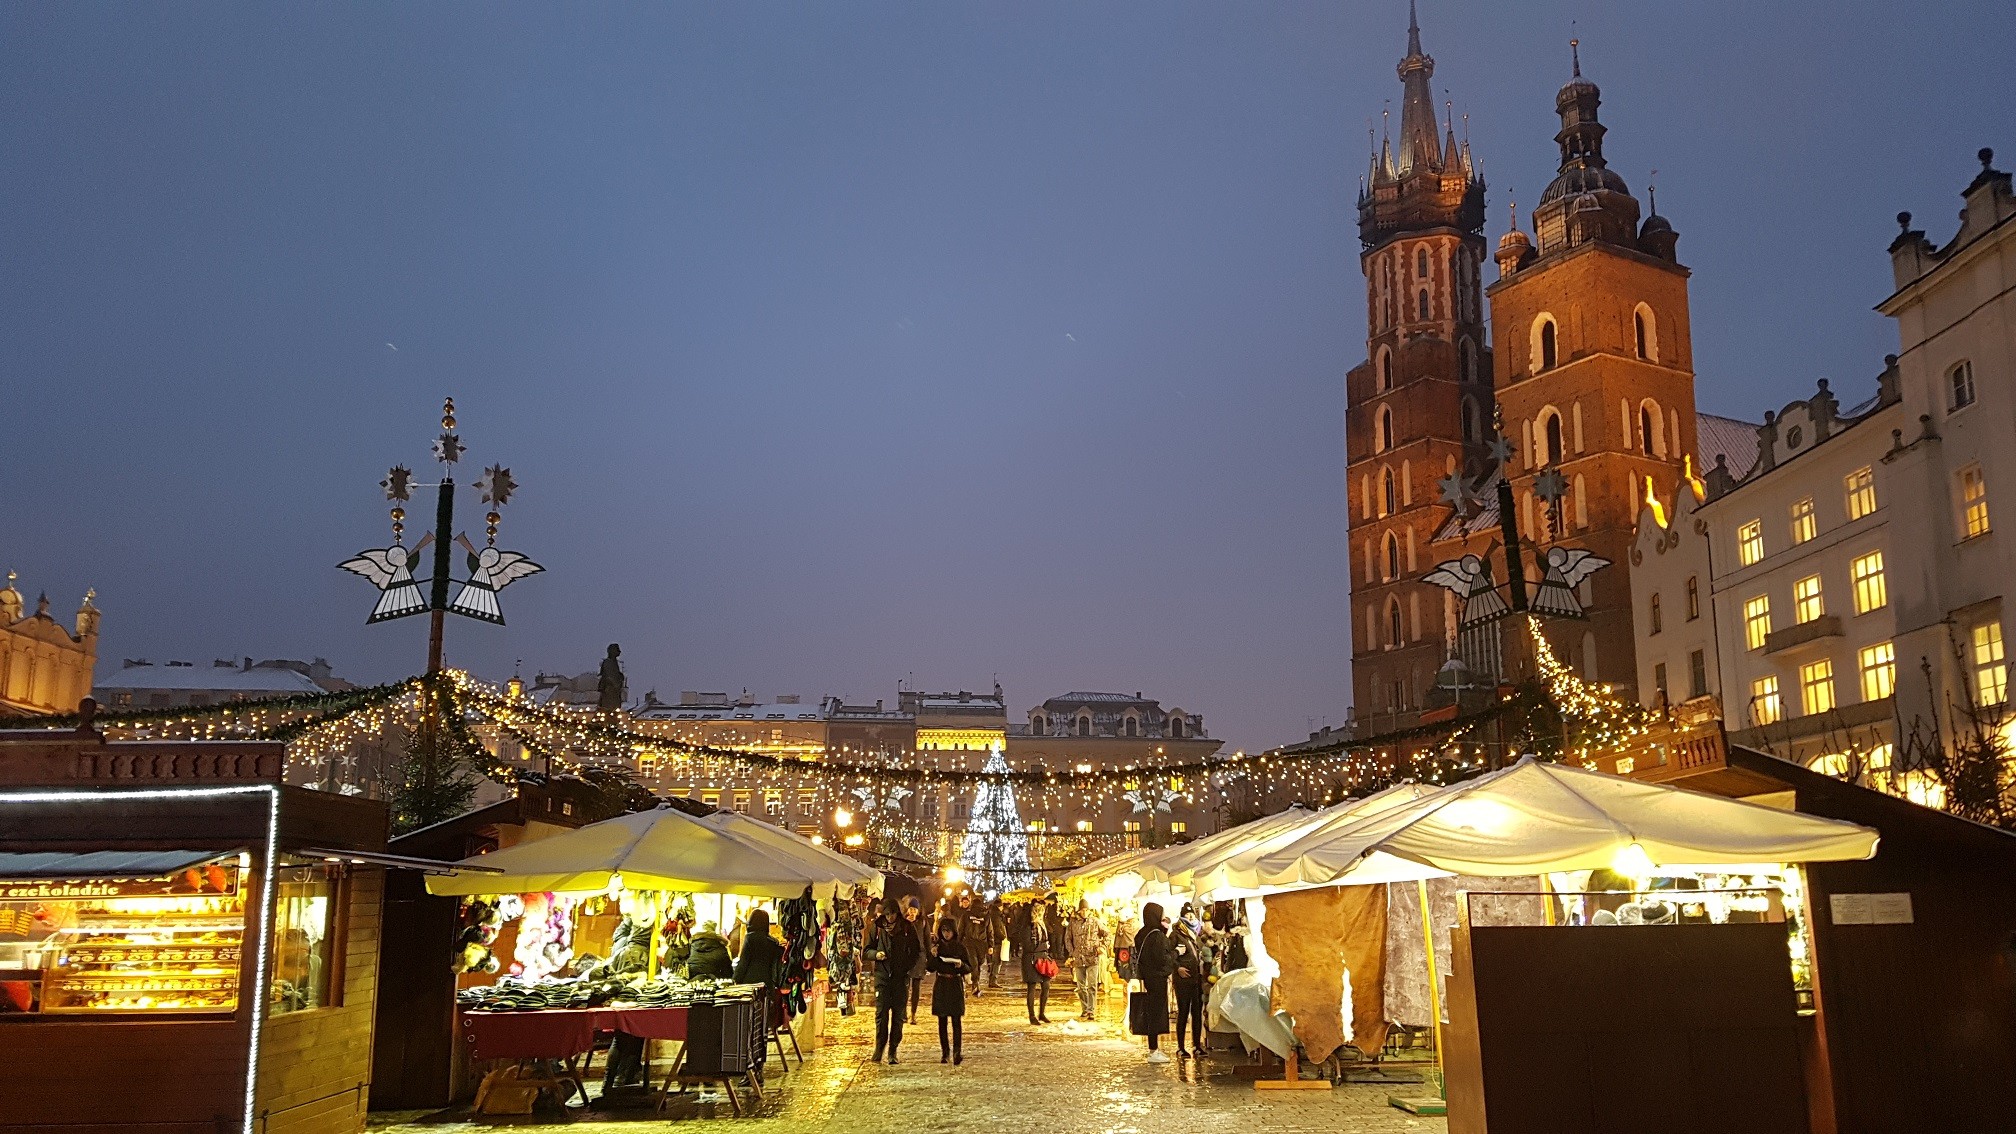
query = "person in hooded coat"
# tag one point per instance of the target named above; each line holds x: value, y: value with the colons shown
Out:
x: 892, y: 949
x: 949, y: 962
x: 1190, y: 979
x: 762, y: 962
x: 1148, y: 1012
x: 707, y: 955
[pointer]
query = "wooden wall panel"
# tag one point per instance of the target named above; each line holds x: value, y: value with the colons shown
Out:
x: 315, y: 1066
x: 88, y: 1074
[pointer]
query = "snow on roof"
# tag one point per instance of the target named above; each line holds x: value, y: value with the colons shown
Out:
x: 232, y: 679
x: 1724, y: 437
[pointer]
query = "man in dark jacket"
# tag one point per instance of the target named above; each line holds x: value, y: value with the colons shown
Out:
x: 997, y: 932
x: 1148, y: 1013
x: 971, y: 918
x: 892, y: 949
x: 707, y: 956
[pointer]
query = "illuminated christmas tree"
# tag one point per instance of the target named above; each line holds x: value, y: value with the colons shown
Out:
x: 996, y: 851
x: 1592, y: 718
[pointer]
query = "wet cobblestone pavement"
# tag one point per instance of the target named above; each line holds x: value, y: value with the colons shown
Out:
x: 1068, y: 1076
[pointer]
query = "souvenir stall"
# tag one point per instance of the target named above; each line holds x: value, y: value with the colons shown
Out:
x: 625, y: 927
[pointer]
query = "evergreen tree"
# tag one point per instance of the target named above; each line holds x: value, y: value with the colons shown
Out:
x: 996, y: 850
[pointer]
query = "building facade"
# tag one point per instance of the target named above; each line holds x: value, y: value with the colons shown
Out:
x: 1419, y: 408
x: 45, y: 669
x: 1851, y: 577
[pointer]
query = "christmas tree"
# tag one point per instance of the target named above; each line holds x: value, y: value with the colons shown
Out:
x: 996, y: 851
x: 1591, y: 719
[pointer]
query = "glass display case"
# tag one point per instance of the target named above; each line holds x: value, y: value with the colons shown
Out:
x: 172, y: 945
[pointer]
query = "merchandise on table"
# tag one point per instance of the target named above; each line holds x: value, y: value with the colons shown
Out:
x: 596, y: 992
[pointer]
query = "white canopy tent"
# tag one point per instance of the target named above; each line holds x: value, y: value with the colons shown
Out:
x: 1534, y: 818
x: 1229, y: 872
x: 662, y: 849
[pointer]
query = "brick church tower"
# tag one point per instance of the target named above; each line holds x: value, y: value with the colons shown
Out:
x: 1420, y: 406
x: 1594, y: 376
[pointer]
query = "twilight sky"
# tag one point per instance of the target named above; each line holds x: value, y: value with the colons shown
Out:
x: 841, y: 345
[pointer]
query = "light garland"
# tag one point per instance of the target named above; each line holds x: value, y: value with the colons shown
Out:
x: 1593, y: 719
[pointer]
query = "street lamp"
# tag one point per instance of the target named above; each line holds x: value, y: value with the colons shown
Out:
x: 843, y: 818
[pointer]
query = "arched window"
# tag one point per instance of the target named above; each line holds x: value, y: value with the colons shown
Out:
x: 1038, y: 725
x: 1130, y: 726
x: 1423, y: 305
x: 1648, y: 429
x: 1085, y: 726
x: 1469, y: 350
x: 1552, y: 435
x: 1646, y: 326
x: 1545, y: 346
x: 1469, y: 420
x: 1385, y: 439
x: 1385, y: 369
x: 1390, y: 491
x: 1392, y: 556
x: 1395, y: 633
x: 1421, y: 262
x: 1176, y: 727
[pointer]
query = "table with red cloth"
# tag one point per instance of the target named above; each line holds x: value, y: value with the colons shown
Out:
x: 563, y: 1033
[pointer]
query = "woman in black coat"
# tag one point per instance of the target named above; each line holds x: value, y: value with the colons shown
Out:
x: 1038, y: 952
x: 951, y: 963
x: 762, y: 959
x: 1148, y: 1015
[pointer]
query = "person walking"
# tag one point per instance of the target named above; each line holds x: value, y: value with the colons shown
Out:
x: 951, y: 964
x: 1148, y: 1009
x: 1039, y: 964
x: 892, y: 948
x: 971, y: 918
x: 997, y: 932
x: 1190, y: 978
x: 1086, y: 941
x: 920, y: 927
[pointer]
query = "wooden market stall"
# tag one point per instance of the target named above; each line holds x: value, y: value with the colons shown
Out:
x: 186, y: 944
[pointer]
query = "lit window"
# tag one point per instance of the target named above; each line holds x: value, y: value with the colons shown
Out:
x: 1656, y: 624
x: 1870, y: 591
x: 1960, y: 386
x: 1861, y: 492
x: 1803, y: 525
x: 1750, y: 542
x: 1084, y: 767
x: 1991, y: 676
x: 1757, y: 621
x: 1807, y: 602
x: 773, y: 803
x: 1765, y: 707
x: 1923, y: 789
x: 1175, y: 783
x: 711, y: 798
x: 1693, y: 598
x: 1816, y: 686
x: 304, y: 921
x: 1879, y: 756
x: 1084, y: 824
x: 1038, y: 825
x: 1179, y: 827
x: 1974, y: 501
x: 1879, y: 670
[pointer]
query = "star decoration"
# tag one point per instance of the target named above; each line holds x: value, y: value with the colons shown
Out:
x: 448, y: 448
x: 398, y: 484
x: 1551, y: 485
x: 1456, y: 491
x: 1502, y: 450
x: 496, y: 486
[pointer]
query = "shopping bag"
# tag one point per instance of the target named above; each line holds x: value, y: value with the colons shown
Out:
x: 1141, y: 1013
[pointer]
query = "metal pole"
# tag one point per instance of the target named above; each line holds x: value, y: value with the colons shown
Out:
x: 444, y: 522
x: 1515, y: 559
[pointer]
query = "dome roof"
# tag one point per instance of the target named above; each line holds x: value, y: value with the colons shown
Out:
x: 1576, y: 88
x: 1513, y: 239
x: 1577, y: 180
x: 1656, y: 223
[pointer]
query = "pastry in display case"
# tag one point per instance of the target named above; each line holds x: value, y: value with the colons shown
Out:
x: 158, y: 945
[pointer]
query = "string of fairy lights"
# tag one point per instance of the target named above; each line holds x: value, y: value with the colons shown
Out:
x: 507, y: 736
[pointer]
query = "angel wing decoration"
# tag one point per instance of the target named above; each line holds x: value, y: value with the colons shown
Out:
x: 1562, y: 570
x: 490, y: 571
x: 390, y: 569
x: 1470, y: 579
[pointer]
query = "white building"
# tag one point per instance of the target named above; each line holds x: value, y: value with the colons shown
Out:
x: 1840, y: 601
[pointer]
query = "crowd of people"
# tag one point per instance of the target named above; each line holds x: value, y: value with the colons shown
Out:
x: 888, y: 950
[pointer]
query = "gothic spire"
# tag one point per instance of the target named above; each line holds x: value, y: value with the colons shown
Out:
x: 1419, y: 148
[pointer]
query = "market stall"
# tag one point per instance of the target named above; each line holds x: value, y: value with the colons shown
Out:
x: 607, y: 928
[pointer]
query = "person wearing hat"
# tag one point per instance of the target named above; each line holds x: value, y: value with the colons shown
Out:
x: 950, y: 963
x: 1190, y: 978
x: 892, y: 949
x: 1148, y: 1009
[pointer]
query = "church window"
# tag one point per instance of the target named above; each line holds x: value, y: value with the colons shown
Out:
x: 1421, y: 263
x: 1646, y: 326
x: 1385, y: 369
x: 1648, y: 429
x: 1553, y: 436
x: 1391, y: 493
x: 1385, y: 428
x: 1469, y: 361
x: 1395, y: 633
x: 1469, y: 420
x: 1960, y: 386
x: 1545, y: 346
x: 1392, y: 557
x: 1423, y: 303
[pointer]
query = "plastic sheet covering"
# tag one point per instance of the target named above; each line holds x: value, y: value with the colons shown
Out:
x: 1406, y: 966
x: 1241, y: 1001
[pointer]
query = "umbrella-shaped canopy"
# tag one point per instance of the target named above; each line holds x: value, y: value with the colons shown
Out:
x: 814, y: 856
x: 1533, y: 818
x: 1096, y: 874
x: 1230, y: 872
x: 661, y: 849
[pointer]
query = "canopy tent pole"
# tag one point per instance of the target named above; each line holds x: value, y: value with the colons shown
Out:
x: 1547, y: 898
x: 1434, y: 988
x: 657, y: 937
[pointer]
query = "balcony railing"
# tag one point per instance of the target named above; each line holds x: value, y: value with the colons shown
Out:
x: 1825, y: 626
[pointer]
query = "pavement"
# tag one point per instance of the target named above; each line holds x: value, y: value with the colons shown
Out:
x: 1068, y: 1076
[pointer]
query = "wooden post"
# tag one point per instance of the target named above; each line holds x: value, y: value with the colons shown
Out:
x: 1434, y: 984
x: 657, y: 938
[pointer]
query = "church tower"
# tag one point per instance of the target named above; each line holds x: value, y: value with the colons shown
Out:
x: 1594, y: 375
x: 1419, y: 407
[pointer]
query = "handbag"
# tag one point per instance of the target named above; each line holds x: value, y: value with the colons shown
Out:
x: 1141, y: 1019
x: 1046, y: 968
